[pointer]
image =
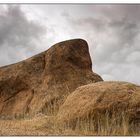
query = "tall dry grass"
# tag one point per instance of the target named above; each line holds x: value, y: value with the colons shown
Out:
x: 114, y: 123
x: 107, y: 124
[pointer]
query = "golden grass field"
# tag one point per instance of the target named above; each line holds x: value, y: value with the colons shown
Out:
x: 43, y: 125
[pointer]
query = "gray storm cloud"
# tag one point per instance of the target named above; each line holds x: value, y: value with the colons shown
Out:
x: 112, y: 32
x: 17, y: 35
x: 113, y: 36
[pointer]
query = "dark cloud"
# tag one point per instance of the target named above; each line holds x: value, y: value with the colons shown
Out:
x: 113, y: 33
x: 17, y: 35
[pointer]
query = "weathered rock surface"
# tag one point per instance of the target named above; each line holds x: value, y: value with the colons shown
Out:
x: 115, y: 99
x: 41, y: 83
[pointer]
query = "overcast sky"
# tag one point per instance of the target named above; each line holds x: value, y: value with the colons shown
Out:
x: 112, y: 32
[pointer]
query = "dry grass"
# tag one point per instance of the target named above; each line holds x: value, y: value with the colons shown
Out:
x: 27, y: 127
x: 91, y: 125
x: 107, y: 124
x: 51, y: 108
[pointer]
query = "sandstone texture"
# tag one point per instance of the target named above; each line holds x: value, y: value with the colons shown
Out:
x: 42, y: 82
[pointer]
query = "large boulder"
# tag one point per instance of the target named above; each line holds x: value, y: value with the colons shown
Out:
x: 42, y: 82
x: 102, y: 105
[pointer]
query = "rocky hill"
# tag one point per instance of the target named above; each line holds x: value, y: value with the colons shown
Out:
x: 42, y: 82
x: 60, y: 83
x: 104, y: 105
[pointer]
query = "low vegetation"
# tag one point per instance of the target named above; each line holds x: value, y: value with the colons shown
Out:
x: 93, y: 124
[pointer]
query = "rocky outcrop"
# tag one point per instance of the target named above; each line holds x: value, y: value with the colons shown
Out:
x: 42, y: 82
x: 102, y: 102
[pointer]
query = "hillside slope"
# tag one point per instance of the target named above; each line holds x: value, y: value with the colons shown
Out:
x: 42, y: 82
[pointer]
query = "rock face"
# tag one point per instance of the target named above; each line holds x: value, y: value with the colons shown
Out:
x: 41, y: 83
x: 118, y: 99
